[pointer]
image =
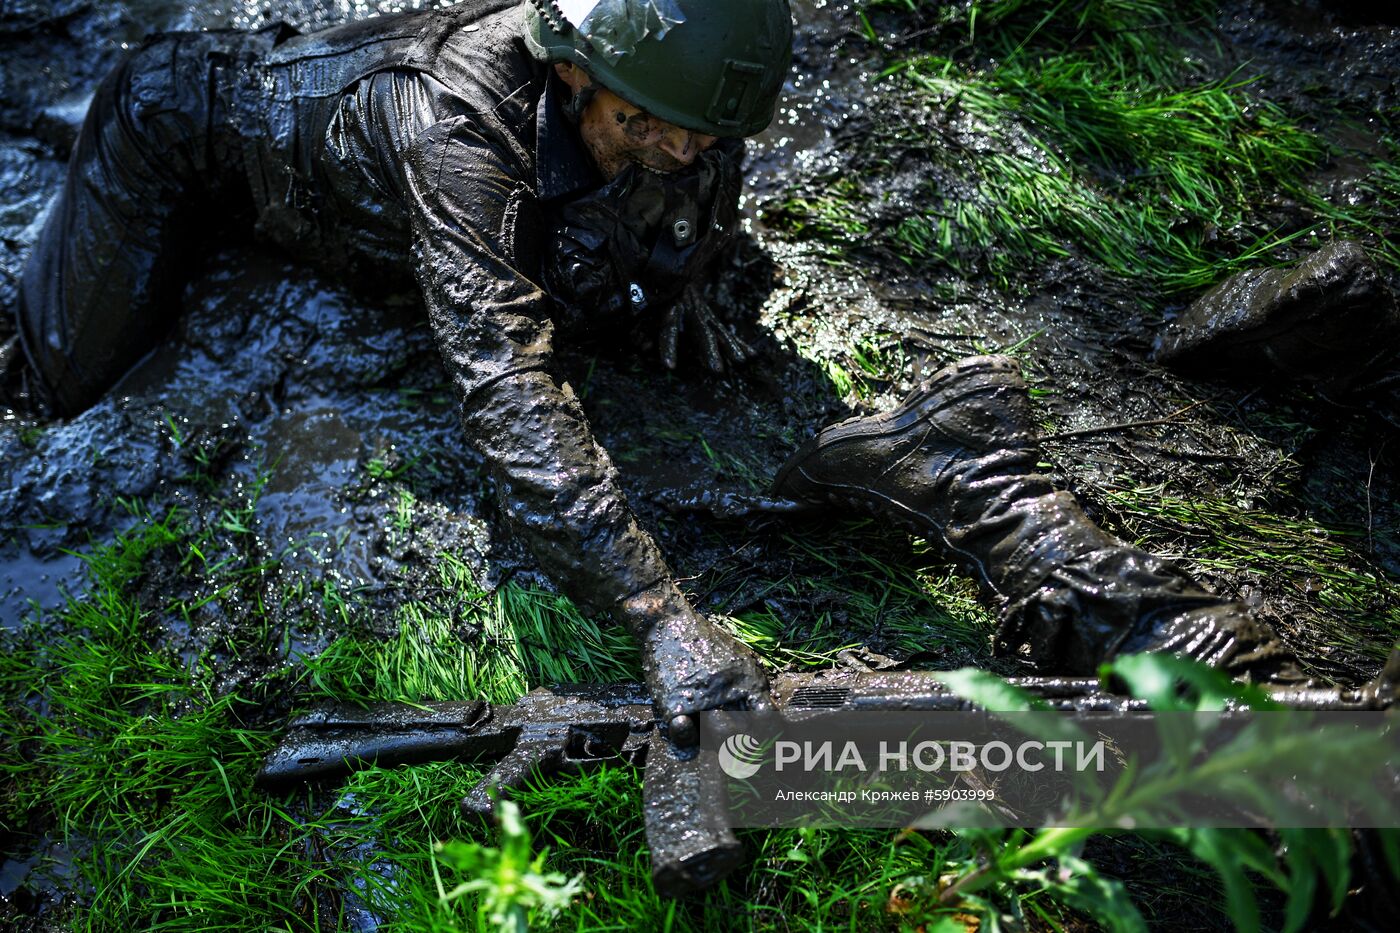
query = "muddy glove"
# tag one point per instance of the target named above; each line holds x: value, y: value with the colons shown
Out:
x: 690, y: 663
x: 691, y: 314
x: 638, y: 244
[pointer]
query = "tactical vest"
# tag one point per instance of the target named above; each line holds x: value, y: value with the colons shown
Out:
x: 288, y: 98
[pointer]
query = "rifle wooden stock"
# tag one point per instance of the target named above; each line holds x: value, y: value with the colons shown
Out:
x: 687, y: 821
x: 330, y: 743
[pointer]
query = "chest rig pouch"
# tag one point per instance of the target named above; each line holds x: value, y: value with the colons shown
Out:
x: 631, y: 247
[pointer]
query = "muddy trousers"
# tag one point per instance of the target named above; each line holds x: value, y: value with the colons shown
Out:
x: 157, y: 162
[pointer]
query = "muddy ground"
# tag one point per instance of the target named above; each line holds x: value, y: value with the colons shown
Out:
x: 275, y: 370
x: 279, y: 387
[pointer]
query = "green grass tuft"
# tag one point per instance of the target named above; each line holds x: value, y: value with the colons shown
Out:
x: 483, y: 645
x: 1357, y: 603
x: 1085, y: 129
x: 136, y: 760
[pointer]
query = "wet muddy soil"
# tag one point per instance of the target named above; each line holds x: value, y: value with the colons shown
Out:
x: 326, y: 411
x: 339, y: 402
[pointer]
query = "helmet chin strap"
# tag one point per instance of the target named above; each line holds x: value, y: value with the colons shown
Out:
x: 577, y: 102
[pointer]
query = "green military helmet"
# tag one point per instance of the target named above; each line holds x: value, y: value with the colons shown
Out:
x: 712, y: 66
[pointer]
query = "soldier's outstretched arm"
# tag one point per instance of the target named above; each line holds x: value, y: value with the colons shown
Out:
x: 474, y: 223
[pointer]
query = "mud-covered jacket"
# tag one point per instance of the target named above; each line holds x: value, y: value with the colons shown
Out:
x: 434, y: 141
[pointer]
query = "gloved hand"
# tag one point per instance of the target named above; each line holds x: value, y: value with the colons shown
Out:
x: 691, y: 314
x: 690, y: 663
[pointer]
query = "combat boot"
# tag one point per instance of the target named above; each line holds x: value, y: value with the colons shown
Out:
x: 1330, y: 320
x: 957, y: 464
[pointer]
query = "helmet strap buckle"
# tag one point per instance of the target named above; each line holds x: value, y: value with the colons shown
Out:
x: 576, y: 102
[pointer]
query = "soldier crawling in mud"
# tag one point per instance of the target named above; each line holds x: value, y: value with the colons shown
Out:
x: 526, y: 161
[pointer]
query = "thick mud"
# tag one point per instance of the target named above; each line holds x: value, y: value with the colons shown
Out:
x: 331, y: 414
x: 339, y: 401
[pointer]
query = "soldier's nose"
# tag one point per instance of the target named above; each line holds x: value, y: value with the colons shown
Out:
x: 683, y: 145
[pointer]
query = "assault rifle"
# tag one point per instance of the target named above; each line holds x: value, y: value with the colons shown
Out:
x: 571, y: 729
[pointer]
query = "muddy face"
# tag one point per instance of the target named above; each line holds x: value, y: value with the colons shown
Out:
x: 617, y: 133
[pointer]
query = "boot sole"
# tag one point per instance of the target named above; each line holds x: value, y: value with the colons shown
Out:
x: 922, y: 406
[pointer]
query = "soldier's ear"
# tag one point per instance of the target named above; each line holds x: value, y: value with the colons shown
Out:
x: 572, y: 75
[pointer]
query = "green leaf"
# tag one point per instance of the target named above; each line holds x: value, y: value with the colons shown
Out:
x: 1229, y: 852
x: 1079, y: 885
x: 1298, y: 853
x: 1160, y: 678
x: 1310, y: 853
x: 989, y: 691
x: 1390, y: 845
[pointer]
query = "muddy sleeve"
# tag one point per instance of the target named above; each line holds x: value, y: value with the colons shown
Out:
x: 472, y: 216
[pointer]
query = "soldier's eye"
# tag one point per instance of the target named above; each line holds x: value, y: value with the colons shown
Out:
x: 620, y: 116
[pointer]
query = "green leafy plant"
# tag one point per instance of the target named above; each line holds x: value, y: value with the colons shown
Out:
x: 1302, y: 864
x: 510, y: 887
